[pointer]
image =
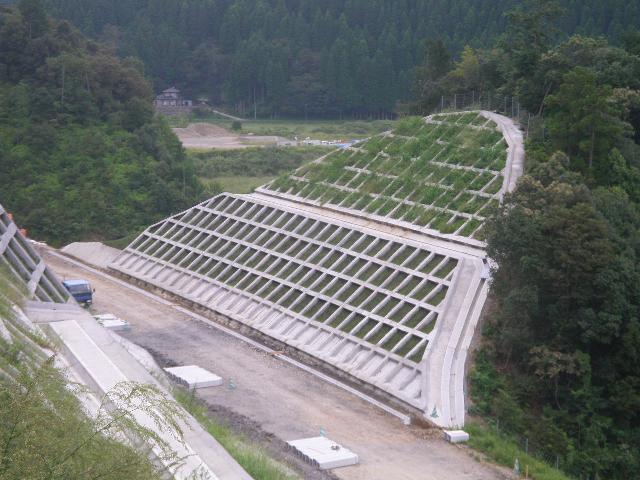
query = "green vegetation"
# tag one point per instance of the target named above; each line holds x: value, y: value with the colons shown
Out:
x: 252, y: 162
x: 242, y: 170
x: 81, y: 155
x: 443, y: 175
x: 235, y: 184
x: 250, y: 456
x: 44, y: 432
x: 505, y: 451
x: 561, y: 345
x: 302, y: 58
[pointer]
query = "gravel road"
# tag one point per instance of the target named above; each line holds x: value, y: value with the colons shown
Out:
x: 271, y: 401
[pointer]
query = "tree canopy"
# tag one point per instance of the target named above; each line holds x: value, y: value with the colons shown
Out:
x: 333, y: 58
x: 81, y: 154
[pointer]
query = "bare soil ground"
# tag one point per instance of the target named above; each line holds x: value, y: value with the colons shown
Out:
x: 272, y: 402
x: 208, y: 136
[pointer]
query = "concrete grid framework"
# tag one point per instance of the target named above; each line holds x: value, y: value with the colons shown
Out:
x: 441, y: 177
x: 390, y: 303
x: 25, y: 263
x: 353, y: 297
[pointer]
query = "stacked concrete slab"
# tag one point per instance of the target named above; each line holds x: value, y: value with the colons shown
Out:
x: 391, y: 306
x: 19, y: 256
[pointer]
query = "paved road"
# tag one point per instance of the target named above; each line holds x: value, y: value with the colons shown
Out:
x: 274, y: 399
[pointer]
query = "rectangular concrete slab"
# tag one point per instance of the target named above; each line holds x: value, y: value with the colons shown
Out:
x: 111, y: 322
x: 194, y: 377
x: 324, y: 453
x: 456, y: 436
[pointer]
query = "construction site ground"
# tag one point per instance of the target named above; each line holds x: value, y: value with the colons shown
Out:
x: 206, y: 136
x: 270, y: 401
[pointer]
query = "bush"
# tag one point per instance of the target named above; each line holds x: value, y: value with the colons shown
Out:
x: 236, y: 126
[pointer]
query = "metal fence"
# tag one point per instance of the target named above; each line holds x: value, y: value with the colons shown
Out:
x: 506, y: 105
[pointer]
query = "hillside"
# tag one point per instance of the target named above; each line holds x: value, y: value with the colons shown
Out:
x: 81, y: 155
x: 301, y: 58
x: 445, y: 174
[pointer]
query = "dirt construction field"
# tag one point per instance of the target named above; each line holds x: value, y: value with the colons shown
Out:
x: 207, y: 136
x: 271, y: 401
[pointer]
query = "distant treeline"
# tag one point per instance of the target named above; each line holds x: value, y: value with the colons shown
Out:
x: 333, y: 58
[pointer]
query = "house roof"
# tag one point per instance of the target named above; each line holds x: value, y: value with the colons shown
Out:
x: 171, y: 90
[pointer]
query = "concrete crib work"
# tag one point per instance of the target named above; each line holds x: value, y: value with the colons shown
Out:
x: 193, y: 376
x: 323, y: 453
x: 394, y: 307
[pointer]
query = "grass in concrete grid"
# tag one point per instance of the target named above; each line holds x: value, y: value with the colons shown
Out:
x: 374, y: 301
x: 394, y: 340
x: 425, y: 289
x: 444, y: 270
x: 410, y: 285
x: 395, y: 281
x: 339, y: 317
x: 437, y: 298
x: 470, y: 227
x: 366, y: 328
x: 495, y: 186
x: 347, y: 292
x: 427, y: 327
x: 250, y: 456
x: 355, y: 267
x: 379, y: 334
x: 467, y: 146
x: 408, y: 345
x: 399, y: 314
x: 414, y: 319
x: 419, y: 353
x: 368, y: 272
x: 352, y: 323
x: 417, y: 259
x: 388, y: 306
x: 343, y: 263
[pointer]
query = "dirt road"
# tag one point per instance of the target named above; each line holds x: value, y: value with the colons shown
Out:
x: 272, y: 402
x: 208, y: 136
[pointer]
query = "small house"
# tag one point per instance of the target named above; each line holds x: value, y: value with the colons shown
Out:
x: 171, y: 102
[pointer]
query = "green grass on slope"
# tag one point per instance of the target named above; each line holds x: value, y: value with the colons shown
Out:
x: 241, y: 171
x: 445, y: 175
x: 236, y: 183
x: 504, y: 452
x: 250, y: 456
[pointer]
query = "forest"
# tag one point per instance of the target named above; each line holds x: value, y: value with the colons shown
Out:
x: 304, y: 58
x: 561, y: 340
x: 81, y: 154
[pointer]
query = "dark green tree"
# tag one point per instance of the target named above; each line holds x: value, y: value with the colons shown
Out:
x: 584, y: 121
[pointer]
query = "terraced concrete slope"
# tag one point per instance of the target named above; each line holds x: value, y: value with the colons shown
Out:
x: 443, y: 174
x: 337, y: 265
x: 20, y: 257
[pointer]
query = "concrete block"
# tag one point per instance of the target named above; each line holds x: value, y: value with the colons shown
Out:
x: 456, y: 436
x: 113, y: 323
x: 193, y: 376
x: 324, y: 453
